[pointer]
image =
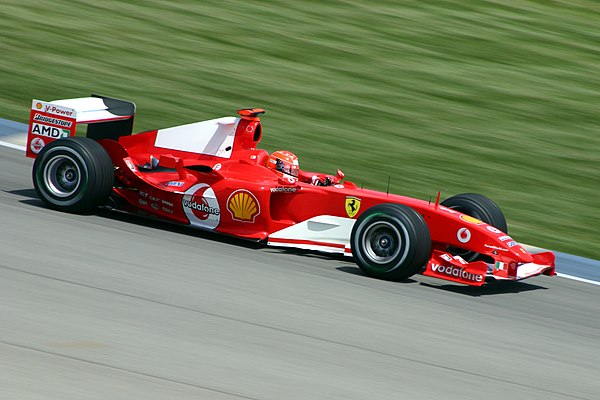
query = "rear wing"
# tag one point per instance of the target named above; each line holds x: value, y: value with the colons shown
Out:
x: 106, y: 118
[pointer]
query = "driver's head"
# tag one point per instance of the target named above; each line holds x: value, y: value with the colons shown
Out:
x: 283, y: 162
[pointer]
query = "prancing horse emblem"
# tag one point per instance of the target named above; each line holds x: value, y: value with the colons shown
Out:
x: 352, y: 206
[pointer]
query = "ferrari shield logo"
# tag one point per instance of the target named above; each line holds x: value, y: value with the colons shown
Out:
x: 352, y: 206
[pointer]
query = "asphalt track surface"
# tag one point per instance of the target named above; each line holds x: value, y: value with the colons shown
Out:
x: 111, y: 306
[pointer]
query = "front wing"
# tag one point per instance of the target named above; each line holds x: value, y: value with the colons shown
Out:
x: 453, y: 268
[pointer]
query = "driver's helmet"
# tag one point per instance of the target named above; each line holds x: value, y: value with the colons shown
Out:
x: 284, y: 162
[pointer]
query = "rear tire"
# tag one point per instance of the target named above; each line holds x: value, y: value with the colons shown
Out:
x: 73, y: 174
x: 390, y: 241
x: 480, y: 207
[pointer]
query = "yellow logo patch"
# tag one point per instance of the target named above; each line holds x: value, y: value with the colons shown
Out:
x: 243, y: 206
x: 471, y: 220
x: 352, y: 206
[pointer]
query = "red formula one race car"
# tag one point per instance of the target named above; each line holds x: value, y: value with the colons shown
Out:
x: 210, y: 175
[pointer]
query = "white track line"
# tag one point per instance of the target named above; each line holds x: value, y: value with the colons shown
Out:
x: 12, y: 146
x: 575, y: 278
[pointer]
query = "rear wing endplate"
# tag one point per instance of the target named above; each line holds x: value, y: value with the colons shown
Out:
x: 107, y: 118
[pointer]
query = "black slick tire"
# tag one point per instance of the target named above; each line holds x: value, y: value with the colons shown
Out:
x: 73, y: 174
x: 480, y: 207
x: 391, y: 242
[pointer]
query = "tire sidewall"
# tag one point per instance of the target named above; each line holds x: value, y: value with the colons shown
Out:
x: 40, y: 170
x: 96, y: 175
x: 359, y: 239
x: 478, y: 206
x: 414, y: 244
x: 482, y: 208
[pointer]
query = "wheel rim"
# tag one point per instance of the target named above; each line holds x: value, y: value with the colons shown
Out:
x: 383, y: 243
x: 62, y: 176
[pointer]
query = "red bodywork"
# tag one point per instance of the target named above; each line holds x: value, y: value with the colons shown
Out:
x: 234, y: 193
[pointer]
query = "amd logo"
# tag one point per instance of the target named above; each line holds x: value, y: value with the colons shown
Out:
x: 49, y: 131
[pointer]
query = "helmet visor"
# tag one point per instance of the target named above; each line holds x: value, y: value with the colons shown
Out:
x: 287, y: 168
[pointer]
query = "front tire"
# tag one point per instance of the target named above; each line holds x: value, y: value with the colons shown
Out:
x: 73, y: 174
x: 391, y: 242
x: 480, y: 207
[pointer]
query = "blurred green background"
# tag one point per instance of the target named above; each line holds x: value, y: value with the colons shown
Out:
x: 496, y: 97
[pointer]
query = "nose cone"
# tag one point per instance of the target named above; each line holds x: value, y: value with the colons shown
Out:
x: 507, y: 246
x: 520, y: 254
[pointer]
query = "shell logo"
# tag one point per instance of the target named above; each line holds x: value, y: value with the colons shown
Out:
x: 471, y: 220
x: 38, y: 106
x: 243, y: 206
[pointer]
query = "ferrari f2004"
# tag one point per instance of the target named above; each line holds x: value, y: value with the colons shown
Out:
x: 212, y: 175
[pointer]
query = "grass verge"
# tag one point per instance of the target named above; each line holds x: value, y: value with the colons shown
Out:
x: 500, y: 98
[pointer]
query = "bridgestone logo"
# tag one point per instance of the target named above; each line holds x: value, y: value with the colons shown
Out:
x: 200, y: 207
x: 50, y: 120
x: 456, y: 272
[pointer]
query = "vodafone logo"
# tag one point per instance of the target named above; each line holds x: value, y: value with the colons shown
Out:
x: 463, y: 235
x: 201, y: 207
x: 456, y: 272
